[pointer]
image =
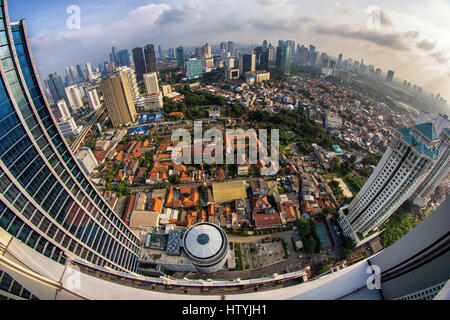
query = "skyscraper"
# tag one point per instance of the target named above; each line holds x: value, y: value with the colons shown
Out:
x: 151, y: 83
x: 230, y: 48
x: 180, y: 57
x: 124, y: 58
x: 150, y: 58
x: 398, y: 174
x: 247, y: 62
x: 89, y: 71
x: 74, y: 96
x: 283, y: 59
x: 139, y: 63
x: 390, y: 76
x: 118, y: 98
x: 94, y: 101
x: 160, y: 52
x: 265, y: 44
x: 206, y: 51
x: 223, y: 47
x: 56, y: 87
x: 47, y: 201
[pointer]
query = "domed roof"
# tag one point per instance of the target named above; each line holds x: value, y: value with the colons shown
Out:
x: 204, y: 241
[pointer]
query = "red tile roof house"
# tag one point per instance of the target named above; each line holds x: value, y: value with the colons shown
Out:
x: 267, y: 220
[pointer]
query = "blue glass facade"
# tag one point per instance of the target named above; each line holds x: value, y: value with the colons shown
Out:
x: 194, y: 68
x: 46, y: 201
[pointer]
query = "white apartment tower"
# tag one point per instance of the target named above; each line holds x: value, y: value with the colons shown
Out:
x: 93, y: 99
x: 74, y: 96
x: 151, y: 82
x: 407, y: 159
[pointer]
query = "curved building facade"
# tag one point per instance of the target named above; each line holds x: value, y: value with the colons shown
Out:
x: 206, y: 245
x: 46, y: 200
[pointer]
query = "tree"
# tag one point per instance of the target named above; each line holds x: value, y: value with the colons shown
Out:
x: 303, y: 227
x: 310, y: 245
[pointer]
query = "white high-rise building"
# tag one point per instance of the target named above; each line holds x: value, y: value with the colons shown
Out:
x: 69, y: 128
x: 151, y: 83
x: 90, y: 74
x: 131, y: 76
x: 398, y: 174
x: 93, y: 99
x: 63, y: 110
x: 74, y: 97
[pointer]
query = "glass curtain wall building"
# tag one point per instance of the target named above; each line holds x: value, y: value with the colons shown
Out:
x: 46, y: 201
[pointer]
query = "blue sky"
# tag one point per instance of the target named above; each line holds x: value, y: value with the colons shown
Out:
x: 414, y: 38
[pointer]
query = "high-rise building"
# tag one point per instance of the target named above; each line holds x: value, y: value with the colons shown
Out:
x: 89, y: 72
x: 151, y: 83
x: 262, y: 58
x: 265, y: 44
x: 80, y: 74
x: 150, y: 58
x: 63, y: 110
x: 180, y: 57
x: 139, y: 63
x: 118, y: 98
x: 124, y: 58
x: 171, y: 53
x: 47, y: 202
x: 230, y: 48
x: 74, y: 96
x: 206, y: 51
x: 283, y: 59
x: 132, y: 81
x: 398, y: 174
x: 194, y: 68
x: 223, y: 47
x: 390, y: 76
x: 56, y: 87
x: 114, y: 56
x: 247, y: 62
x: 160, y: 52
x: 94, y: 101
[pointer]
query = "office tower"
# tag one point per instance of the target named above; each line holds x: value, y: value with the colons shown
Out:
x: 151, y: 83
x: 223, y: 47
x: 94, y: 101
x: 171, y: 53
x: 265, y: 44
x: 339, y: 62
x: 150, y: 59
x: 132, y: 81
x: 206, y: 51
x: 390, y: 76
x: 180, y: 57
x: 194, y: 68
x: 302, y: 55
x: 229, y: 63
x: 139, y: 63
x: 312, y: 55
x: 47, y: 202
x: 230, y: 48
x: 409, y: 156
x: 56, y: 87
x: 89, y: 71
x: 271, y: 53
x: 74, y: 96
x: 124, y: 58
x: 247, y: 62
x: 262, y: 58
x: 160, y: 51
x: 70, y: 76
x: 118, y: 98
x: 283, y: 59
x: 115, y: 56
x: 80, y: 73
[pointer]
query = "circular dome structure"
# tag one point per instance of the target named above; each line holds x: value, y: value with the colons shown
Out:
x: 206, y: 244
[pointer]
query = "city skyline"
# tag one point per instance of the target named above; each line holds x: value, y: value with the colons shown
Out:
x: 412, y: 43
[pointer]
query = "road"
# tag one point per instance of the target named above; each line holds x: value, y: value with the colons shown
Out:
x: 76, y: 144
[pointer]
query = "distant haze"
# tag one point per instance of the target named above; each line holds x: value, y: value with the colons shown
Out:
x: 413, y: 37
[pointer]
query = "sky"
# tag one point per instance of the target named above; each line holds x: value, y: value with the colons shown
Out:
x: 410, y: 37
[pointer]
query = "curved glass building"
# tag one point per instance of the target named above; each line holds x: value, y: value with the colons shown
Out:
x: 46, y: 201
